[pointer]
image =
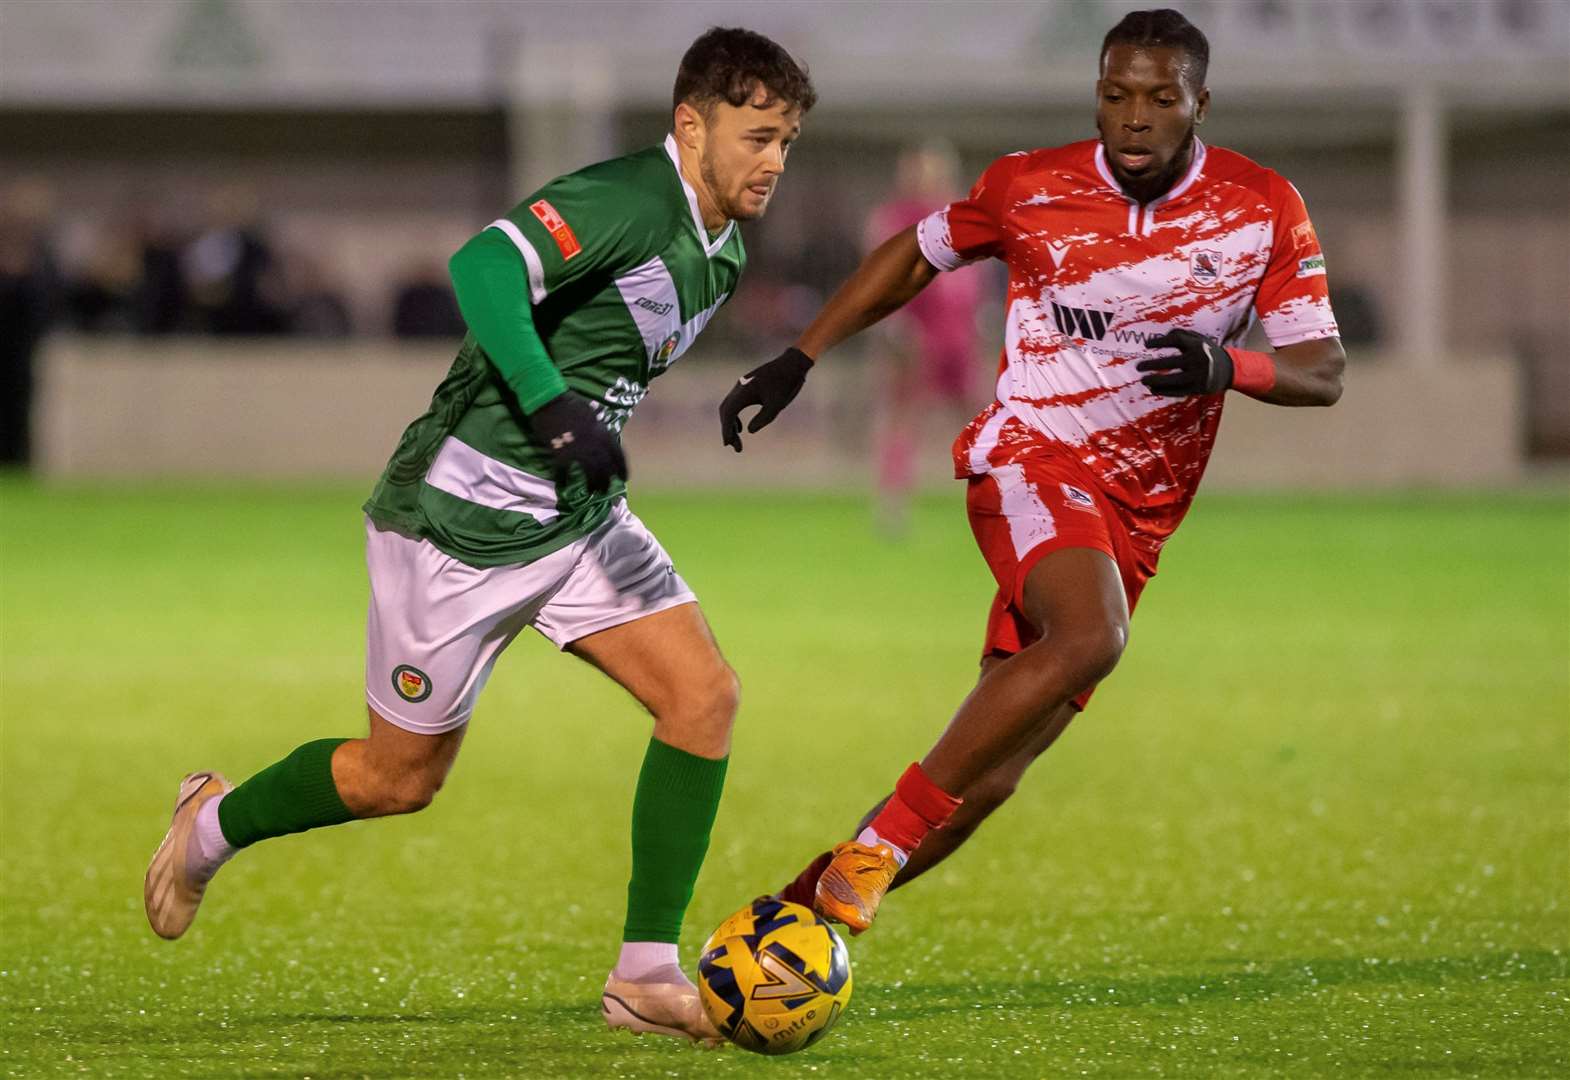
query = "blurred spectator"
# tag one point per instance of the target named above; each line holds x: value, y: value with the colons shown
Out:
x: 102, y: 296
x: 424, y: 305
x: 127, y: 278
x: 162, y: 302
x: 230, y: 269
x: 27, y: 286
x: 315, y: 308
x: 928, y: 358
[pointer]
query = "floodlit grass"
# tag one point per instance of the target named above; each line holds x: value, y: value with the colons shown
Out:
x: 1316, y: 824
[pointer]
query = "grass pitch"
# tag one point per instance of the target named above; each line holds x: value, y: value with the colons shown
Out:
x: 1316, y: 824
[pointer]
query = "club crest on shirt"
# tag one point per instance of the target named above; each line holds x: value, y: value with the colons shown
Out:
x: 1204, y: 267
x: 411, y: 683
x: 667, y: 349
x: 1078, y: 499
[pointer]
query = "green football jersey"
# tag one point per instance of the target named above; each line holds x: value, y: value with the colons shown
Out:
x: 623, y: 276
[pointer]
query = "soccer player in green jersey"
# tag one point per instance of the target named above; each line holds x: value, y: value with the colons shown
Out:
x: 504, y: 507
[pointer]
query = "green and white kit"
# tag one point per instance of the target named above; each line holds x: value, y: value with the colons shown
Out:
x: 469, y: 538
x: 623, y: 276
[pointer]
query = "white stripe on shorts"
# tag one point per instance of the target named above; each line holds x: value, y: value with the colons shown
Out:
x: 1030, y: 522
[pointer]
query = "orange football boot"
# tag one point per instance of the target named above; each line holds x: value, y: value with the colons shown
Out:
x: 854, y: 883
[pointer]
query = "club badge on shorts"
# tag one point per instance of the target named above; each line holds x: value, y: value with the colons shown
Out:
x: 412, y: 684
x: 1079, y: 500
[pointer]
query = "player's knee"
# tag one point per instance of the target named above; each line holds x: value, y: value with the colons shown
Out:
x: 1069, y: 662
x: 700, y: 716
x: 724, y: 696
x: 1090, y: 654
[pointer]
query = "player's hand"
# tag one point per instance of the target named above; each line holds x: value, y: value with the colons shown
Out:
x: 772, y: 386
x: 569, y: 426
x: 1201, y: 366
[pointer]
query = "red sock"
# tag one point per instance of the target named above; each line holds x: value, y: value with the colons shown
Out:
x: 916, y: 808
x: 805, y: 887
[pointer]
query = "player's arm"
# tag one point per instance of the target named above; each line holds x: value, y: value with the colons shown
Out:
x: 1293, y: 304
x: 1303, y: 373
x: 947, y: 239
x: 883, y: 283
x: 493, y: 291
x: 1308, y: 373
x: 492, y: 287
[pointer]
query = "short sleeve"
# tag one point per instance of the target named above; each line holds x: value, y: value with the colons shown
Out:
x: 576, y: 226
x: 972, y: 228
x: 1293, y: 302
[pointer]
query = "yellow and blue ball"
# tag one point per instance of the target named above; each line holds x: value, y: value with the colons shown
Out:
x: 774, y: 977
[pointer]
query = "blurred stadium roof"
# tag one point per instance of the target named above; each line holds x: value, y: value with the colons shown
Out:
x: 1510, y: 53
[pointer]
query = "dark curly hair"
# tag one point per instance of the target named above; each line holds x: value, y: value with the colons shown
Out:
x: 1164, y: 28
x: 728, y: 64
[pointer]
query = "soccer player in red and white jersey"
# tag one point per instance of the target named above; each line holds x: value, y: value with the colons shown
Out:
x: 1137, y: 262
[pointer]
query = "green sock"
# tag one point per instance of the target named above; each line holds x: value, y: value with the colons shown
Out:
x: 678, y: 795
x: 288, y: 796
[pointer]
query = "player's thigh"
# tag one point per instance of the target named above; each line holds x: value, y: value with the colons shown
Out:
x: 1076, y: 592
x: 624, y: 609
x: 669, y: 661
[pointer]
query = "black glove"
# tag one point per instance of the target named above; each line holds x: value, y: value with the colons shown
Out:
x: 1201, y: 366
x: 569, y: 425
x: 773, y: 386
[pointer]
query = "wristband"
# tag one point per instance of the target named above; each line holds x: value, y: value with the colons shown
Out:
x: 1252, y: 372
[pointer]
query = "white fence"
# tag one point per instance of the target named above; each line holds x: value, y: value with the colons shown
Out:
x: 274, y: 410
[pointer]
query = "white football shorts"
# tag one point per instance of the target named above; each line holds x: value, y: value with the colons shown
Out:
x: 437, y: 625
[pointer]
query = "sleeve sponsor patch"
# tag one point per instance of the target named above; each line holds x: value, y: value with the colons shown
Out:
x: 1313, y: 266
x: 560, y: 231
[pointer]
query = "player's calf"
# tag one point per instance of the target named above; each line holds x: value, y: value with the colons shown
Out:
x: 381, y: 790
x: 391, y: 770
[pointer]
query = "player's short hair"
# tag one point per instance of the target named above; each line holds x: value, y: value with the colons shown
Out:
x: 728, y: 64
x: 1164, y: 28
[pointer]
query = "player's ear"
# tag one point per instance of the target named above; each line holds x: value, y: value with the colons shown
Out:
x: 689, y: 126
x: 1202, y: 105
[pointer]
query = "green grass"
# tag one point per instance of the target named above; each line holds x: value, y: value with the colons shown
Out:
x: 1318, y: 823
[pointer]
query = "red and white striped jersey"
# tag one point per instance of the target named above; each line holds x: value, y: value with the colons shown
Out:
x: 1092, y: 275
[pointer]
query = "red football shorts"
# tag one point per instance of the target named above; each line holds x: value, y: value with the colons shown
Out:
x: 1024, y: 511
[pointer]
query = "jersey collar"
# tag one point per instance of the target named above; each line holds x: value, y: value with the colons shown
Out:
x: 709, y: 246
x: 1195, y: 167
